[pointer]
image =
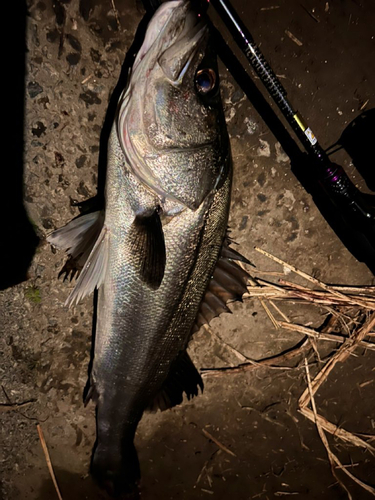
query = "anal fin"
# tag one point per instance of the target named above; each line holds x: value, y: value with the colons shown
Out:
x: 90, y: 393
x: 183, y: 378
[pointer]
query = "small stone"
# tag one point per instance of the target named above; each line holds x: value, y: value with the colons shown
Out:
x: 281, y: 156
x: 263, y: 149
x: 53, y: 35
x: 34, y: 89
x: 44, y: 101
x: 237, y: 96
x: 95, y: 55
x: 74, y: 43
x: 251, y: 125
x: 39, y: 129
x: 47, y: 224
x: 243, y: 223
x: 59, y: 159
x: 82, y: 190
x: 73, y: 58
x: 90, y: 98
x: 80, y: 162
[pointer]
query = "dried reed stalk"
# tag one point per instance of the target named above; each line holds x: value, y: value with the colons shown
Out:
x: 317, y: 282
x: 48, y: 461
x: 322, y: 335
x: 317, y: 419
x: 341, y: 355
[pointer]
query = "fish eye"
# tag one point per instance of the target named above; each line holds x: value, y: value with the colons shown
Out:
x: 205, y: 80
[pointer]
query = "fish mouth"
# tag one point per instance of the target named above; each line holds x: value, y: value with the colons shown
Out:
x: 175, y: 29
x: 176, y: 59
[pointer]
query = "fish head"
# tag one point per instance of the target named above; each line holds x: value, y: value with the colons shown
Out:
x: 171, y: 123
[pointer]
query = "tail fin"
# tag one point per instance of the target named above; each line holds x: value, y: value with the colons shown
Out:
x: 117, y: 471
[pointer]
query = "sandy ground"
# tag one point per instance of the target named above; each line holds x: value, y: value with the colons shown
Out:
x: 74, y: 55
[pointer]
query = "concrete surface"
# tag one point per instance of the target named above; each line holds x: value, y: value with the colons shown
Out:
x: 74, y: 55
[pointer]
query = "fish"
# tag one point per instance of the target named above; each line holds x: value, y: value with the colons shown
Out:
x: 159, y: 252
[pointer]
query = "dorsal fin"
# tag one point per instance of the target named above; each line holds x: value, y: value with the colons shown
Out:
x: 94, y: 270
x: 228, y: 283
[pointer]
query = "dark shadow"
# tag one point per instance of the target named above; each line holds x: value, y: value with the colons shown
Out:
x: 113, y: 102
x: 72, y: 486
x: 88, y: 390
x: 151, y: 5
x: 358, y: 141
x: 18, y: 238
x: 97, y: 202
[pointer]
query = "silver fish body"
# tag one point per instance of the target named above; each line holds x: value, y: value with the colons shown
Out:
x: 154, y: 250
x: 141, y: 331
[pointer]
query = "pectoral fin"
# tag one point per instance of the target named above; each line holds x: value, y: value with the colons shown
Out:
x: 146, y: 239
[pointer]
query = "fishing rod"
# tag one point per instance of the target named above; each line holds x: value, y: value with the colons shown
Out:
x: 357, y: 210
x: 333, y: 176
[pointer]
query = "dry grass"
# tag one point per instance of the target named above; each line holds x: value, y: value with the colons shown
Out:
x: 350, y: 324
x: 48, y: 461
